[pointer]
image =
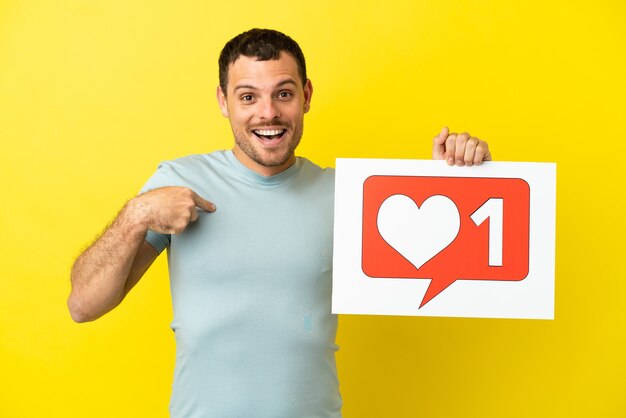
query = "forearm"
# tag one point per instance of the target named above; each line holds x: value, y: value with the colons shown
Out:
x: 107, y: 270
x: 100, y: 273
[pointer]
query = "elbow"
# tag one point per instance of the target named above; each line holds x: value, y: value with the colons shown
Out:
x: 78, y: 314
x: 86, y: 303
x: 79, y: 318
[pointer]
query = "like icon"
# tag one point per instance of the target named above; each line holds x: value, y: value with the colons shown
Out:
x: 445, y: 229
x: 416, y: 237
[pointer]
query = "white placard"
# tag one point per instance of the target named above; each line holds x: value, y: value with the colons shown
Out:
x: 414, y: 237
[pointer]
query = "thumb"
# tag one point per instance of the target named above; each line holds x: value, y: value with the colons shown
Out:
x: 203, y: 203
x: 439, y: 143
x: 441, y: 137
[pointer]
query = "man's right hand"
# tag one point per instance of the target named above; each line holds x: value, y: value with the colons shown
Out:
x: 106, y: 271
x: 168, y: 210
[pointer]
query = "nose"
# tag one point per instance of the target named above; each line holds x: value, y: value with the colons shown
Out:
x: 269, y: 109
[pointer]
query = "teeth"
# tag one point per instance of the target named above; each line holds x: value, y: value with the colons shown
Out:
x: 268, y: 132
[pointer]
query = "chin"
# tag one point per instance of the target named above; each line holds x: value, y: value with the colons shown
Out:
x: 274, y: 161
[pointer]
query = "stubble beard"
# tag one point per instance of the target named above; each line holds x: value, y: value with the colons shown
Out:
x: 273, y: 157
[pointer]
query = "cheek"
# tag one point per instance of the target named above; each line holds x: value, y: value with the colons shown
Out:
x: 240, y: 118
x: 295, y: 112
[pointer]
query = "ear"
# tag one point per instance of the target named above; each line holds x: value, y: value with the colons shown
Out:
x: 221, y: 100
x: 308, y: 92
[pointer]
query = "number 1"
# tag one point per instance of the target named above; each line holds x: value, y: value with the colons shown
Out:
x: 492, y: 209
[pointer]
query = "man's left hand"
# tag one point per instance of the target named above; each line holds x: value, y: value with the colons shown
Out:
x: 460, y: 149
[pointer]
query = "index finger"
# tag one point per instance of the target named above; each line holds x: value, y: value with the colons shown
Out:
x: 203, y: 203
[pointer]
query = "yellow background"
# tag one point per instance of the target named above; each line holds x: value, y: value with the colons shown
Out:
x: 93, y: 94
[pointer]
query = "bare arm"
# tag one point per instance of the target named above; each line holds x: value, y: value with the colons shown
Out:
x: 105, y: 272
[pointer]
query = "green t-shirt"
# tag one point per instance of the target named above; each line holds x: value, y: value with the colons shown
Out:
x: 251, y: 291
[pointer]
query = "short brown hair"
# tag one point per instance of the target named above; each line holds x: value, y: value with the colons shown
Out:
x: 264, y: 44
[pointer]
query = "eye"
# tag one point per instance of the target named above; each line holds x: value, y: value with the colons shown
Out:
x: 247, y: 98
x: 284, y: 95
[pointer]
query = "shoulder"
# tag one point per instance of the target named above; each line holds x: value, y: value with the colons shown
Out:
x: 316, y: 175
x: 189, y: 171
x: 195, y: 162
x: 314, y: 169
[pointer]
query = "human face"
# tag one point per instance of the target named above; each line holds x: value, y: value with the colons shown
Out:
x: 265, y: 104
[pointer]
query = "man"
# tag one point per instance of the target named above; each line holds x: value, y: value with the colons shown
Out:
x: 250, y: 278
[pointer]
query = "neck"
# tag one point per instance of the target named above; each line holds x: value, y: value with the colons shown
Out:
x: 260, y: 168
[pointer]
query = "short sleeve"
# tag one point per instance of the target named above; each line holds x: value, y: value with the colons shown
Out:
x: 160, y: 178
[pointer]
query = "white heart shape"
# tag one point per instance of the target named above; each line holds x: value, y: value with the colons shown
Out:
x: 418, y: 234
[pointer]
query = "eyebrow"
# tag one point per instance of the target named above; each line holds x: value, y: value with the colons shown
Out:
x: 251, y: 87
x: 289, y: 81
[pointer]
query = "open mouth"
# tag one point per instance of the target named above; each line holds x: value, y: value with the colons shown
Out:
x: 269, y: 134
